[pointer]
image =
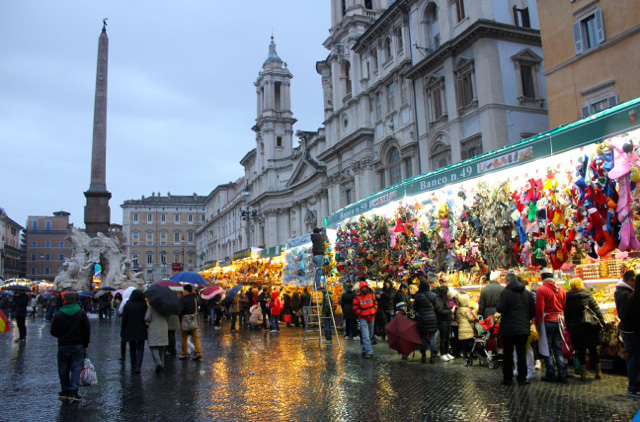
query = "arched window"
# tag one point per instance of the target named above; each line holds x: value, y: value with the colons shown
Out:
x: 440, y: 155
x: 432, y: 26
x: 387, y: 48
x: 393, y: 165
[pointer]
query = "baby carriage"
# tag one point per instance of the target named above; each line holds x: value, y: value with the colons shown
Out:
x: 487, y: 344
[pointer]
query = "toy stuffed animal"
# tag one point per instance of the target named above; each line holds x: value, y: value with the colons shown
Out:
x: 621, y: 171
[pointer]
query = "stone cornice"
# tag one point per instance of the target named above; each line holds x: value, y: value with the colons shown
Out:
x: 366, y: 133
x: 482, y: 28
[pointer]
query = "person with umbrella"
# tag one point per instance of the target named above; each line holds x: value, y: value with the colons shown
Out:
x: 134, y: 329
x: 157, y: 335
x: 72, y: 329
x: 21, y: 301
x: 190, y: 308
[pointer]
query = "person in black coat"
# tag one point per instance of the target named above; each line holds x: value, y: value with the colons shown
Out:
x: 286, y: 306
x: 350, y: 317
x: 295, y: 307
x: 21, y: 301
x: 583, y: 336
x: 426, y: 306
x: 444, y: 320
x: 134, y: 328
x: 518, y: 308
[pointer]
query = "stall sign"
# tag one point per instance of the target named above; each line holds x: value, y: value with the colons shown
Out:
x: 272, y: 251
x: 375, y: 201
x: 474, y: 168
x: 245, y: 253
x: 294, y: 242
x: 176, y: 267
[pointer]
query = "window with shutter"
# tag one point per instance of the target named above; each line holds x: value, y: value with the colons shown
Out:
x: 588, y: 31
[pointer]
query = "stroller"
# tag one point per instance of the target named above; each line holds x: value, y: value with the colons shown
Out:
x: 487, y: 343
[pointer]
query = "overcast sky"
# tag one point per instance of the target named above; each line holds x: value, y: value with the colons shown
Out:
x: 181, y: 99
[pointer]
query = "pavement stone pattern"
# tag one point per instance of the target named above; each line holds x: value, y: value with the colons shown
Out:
x: 257, y: 376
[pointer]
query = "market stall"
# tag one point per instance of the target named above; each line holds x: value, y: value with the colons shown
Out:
x: 565, y: 199
x: 251, y: 266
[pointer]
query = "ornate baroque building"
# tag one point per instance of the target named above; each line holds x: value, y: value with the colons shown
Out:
x: 409, y: 86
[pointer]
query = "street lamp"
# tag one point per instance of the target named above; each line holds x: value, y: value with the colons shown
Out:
x: 248, y: 214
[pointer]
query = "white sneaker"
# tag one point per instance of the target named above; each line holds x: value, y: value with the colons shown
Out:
x: 357, y: 338
x: 538, y: 365
x: 444, y: 358
x: 346, y: 337
x: 450, y: 356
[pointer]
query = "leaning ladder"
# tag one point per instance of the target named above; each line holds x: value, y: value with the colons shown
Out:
x: 314, y: 319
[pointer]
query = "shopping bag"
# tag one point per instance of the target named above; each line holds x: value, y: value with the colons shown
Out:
x: 287, y: 318
x: 88, y: 374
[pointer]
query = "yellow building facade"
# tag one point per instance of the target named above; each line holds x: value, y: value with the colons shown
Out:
x: 591, y: 55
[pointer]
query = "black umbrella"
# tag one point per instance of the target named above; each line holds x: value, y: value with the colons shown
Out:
x: 108, y: 289
x: 17, y: 287
x: 163, y: 300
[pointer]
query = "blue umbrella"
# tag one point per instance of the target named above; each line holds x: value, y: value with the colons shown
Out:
x: 232, y: 293
x: 87, y: 293
x: 190, y: 277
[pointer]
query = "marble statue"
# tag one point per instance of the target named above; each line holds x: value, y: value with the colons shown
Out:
x: 77, y: 270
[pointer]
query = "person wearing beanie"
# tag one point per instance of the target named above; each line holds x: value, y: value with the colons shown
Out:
x: 490, y: 295
x: 365, y: 307
x: 72, y: 329
x: 550, y: 303
x: 318, y: 239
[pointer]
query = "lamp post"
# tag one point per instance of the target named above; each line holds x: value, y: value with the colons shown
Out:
x: 248, y: 214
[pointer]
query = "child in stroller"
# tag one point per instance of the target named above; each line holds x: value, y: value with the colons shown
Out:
x: 486, y: 343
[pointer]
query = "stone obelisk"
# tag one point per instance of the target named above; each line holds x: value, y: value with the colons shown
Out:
x: 97, y: 214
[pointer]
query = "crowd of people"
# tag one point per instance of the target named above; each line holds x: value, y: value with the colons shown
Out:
x: 533, y: 324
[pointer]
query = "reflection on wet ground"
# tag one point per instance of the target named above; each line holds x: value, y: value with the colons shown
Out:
x: 260, y: 376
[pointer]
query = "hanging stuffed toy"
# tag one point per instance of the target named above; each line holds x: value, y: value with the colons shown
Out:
x: 443, y: 218
x: 621, y: 171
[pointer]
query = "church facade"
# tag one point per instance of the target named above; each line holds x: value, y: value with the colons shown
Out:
x: 409, y: 86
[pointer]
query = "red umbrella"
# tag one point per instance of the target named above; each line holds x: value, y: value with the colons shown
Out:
x: 402, y: 335
x: 168, y: 283
x: 210, y: 292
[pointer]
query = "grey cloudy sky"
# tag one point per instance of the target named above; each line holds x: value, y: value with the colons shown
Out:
x: 181, y: 96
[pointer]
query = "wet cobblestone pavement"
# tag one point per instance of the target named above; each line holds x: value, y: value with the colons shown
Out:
x: 260, y: 376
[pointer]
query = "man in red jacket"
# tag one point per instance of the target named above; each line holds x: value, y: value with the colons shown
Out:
x: 550, y: 302
x: 365, y: 307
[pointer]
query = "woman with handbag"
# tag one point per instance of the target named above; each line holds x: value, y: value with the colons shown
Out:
x: 584, y: 322
x: 189, y: 323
